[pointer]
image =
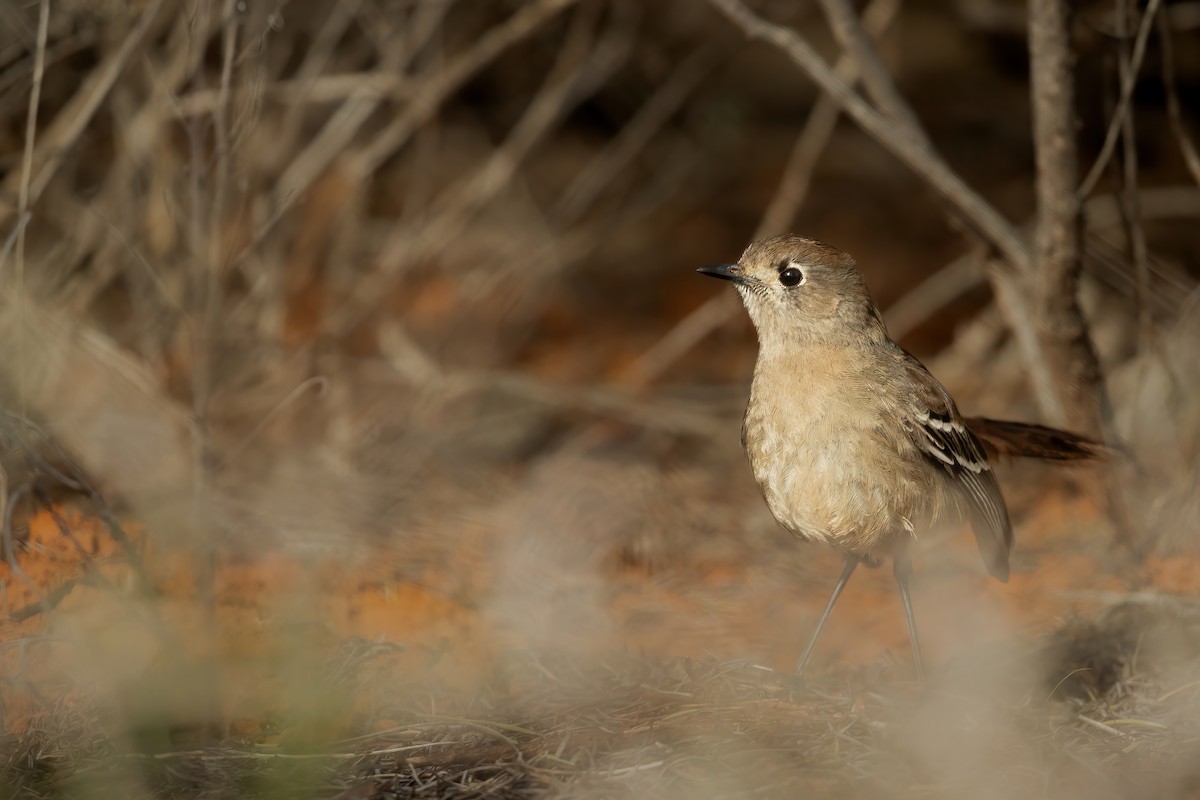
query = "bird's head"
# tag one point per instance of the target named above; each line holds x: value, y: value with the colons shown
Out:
x: 797, y: 288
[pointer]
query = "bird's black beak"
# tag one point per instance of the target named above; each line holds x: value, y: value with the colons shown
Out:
x: 727, y: 272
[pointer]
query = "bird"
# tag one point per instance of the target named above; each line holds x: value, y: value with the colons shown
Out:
x: 852, y: 441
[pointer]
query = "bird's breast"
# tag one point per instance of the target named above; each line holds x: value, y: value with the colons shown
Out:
x: 818, y: 440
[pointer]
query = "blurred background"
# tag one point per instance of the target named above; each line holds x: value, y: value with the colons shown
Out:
x: 355, y: 366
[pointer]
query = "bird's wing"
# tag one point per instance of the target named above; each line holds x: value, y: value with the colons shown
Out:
x: 939, y: 432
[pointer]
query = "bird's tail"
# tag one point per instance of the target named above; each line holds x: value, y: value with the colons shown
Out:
x: 1026, y: 440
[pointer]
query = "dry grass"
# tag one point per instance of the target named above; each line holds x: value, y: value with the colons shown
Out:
x: 641, y: 727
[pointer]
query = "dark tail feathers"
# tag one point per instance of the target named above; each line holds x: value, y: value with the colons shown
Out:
x: 1026, y: 440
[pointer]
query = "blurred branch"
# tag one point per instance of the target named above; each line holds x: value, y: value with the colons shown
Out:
x: 415, y: 366
x: 876, y: 79
x: 925, y: 300
x: 10, y: 501
x: 580, y: 69
x: 1155, y: 203
x: 634, y: 136
x: 789, y: 196
x: 10, y: 241
x: 1190, y: 157
x: 361, y: 97
x: 1063, y: 365
x: 435, y: 89
x: 680, y: 340
x: 35, y: 94
x: 307, y: 77
x: 318, y: 384
x: 1128, y: 82
x: 26, y: 173
x: 659, y: 414
x: 333, y: 138
x: 1129, y: 200
x: 45, y: 604
x: 365, y: 98
x: 818, y: 129
x: 61, y: 134
x: 900, y: 140
x: 964, y: 274
x: 297, y: 94
x: 331, y: 142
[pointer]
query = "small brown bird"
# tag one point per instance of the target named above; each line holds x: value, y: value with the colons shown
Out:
x: 853, y: 443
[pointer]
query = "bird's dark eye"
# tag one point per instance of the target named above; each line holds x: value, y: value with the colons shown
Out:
x: 791, y: 276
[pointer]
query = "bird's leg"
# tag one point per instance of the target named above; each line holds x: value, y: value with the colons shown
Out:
x: 847, y: 571
x: 902, y: 569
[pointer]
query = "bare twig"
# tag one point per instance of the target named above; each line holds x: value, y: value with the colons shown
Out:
x: 10, y: 552
x: 1131, y: 210
x: 411, y: 364
x: 35, y: 95
x: 819, y: 128
x: 361, y: 99
x: 964, y: 273
x: 936, y: 292
x: 10, y: 241
x: 680, y: 340
x: 448, y: 80
x: 789, y: 196
x: 1128, y: 82
x: 45, y: 604
x: 1190, y: 157
x: 23, y: 201
x: 333, y: 137
x: 74, y: 117
x: 221, y: 131
x: 307, y: 78
x: 204, y: 298
x: 876, y: 79
x: 634, y: 136
x: 421, y: 105
x: 579, y: 71
x: 89, y: 563
x: 300, y: 94
x: 977, y: 213
x: 317, y: 383
x: 31, y: 434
